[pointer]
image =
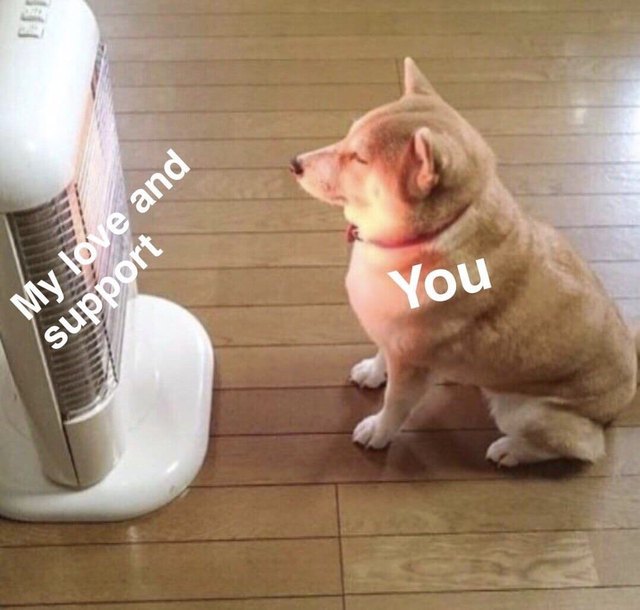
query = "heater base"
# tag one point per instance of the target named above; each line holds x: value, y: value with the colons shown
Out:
x: 165, y: 391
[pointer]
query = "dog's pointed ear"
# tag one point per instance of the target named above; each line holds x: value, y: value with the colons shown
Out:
x: 414, y: 80
x: 426, y: 172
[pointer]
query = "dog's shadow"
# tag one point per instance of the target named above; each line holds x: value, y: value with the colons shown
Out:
x: 448, y: 441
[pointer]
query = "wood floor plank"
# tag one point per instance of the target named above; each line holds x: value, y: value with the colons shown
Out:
x: 572, y: 179
x: 565, y: 149
x: 239, y: 287
x: 200, y: 514
x: 334, y: 458
x: 264, y: 215
x: 265, y: 367
x: 297, y: 366
x: 511, y: 150
x: 293, y: 410
x: 206, y: 126
x: 468, y: 561
x: 293, y: 603
x: 568, y: 599
x: 606, y: 244
x: 413, y: 456
x: 302, y: 97
x: 105, y: 573
x: 339, y: 409
x: 630, y: 308
x: 290, y: 325
x: 617, y: 556
x: 250, y: 250
x: 341, y: 97
x: 268, y: 72
x: 133, y: 7
x: 229, y: 184
x: 583, y: 210
x: 471, y: 506
x: 530, y: 69
x: 333, y: 125
x: 377, y: 24
x: 322, y: 71
x: 621, y: 280
x: 376, y: 47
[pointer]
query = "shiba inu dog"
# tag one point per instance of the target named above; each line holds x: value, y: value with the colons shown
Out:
x: 547, y: 347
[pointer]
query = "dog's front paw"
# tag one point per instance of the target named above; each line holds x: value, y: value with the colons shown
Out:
x: 369, y: 373
x: 370, y: 433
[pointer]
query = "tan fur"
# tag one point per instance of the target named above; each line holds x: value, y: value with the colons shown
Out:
x: 545, y: 343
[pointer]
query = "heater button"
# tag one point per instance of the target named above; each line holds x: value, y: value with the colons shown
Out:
x: 32, y: 30
x: 35, y: 13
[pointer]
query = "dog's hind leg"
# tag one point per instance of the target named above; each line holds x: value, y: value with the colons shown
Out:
x: 537, y: 430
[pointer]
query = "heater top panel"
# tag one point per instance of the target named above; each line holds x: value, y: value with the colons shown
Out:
x: 47, y: 57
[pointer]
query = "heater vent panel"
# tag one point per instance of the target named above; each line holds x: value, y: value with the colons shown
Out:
x: 85, y: 371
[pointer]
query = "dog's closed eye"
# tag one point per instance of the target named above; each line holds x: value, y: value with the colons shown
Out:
x: 354, y: 156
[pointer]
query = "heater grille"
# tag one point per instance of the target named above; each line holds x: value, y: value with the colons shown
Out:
x: 85, y: 371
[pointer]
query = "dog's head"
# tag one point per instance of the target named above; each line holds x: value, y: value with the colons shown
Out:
x: 403, y: 168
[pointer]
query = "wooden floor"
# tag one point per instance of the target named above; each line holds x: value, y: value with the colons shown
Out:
x: 287, y: 514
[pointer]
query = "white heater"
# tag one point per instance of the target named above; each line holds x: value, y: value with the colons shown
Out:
x: 116, y: 422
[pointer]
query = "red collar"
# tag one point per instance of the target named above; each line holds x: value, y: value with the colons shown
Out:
x: 353, y: 235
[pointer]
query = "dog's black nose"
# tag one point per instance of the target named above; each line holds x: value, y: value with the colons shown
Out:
x: 296, y: 167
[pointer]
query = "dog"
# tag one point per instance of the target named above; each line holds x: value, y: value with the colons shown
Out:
x: 546, y: 345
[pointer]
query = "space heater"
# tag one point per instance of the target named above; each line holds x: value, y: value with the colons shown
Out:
x: 116, y: 422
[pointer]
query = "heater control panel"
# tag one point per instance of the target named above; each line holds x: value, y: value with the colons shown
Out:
x: 34, y: 13
x: 33, y: 18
